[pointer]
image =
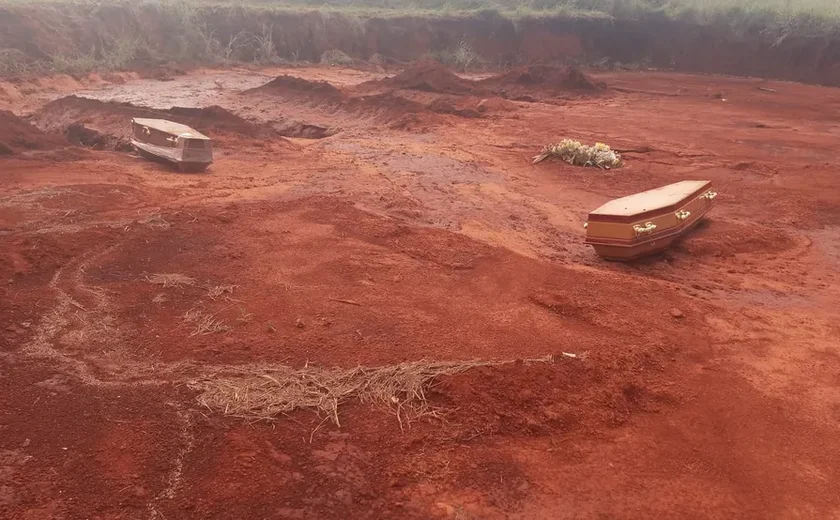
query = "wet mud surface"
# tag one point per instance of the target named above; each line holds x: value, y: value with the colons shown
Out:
x: 354, y: 220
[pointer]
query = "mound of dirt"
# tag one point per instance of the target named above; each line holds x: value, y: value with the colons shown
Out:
x: 548, y: 76
x: 388, y: 104
x: 382, y: 105
x: 428, y: 76
x: 394, y: 110
x: 454, y: 105
x: 495, y: 104
x: 106, y: 125
x: 291, y: 86
x: 80, y: 135
x: 216, y: 118
x: 17, y: 135
x: 301, y: 129
x: 410, y: 123
x: 726, y: 239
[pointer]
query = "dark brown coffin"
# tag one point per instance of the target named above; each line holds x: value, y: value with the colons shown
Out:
x: 648, y: 222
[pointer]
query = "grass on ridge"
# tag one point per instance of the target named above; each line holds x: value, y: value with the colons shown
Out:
x: 193, y: 38
x: 819, y: 15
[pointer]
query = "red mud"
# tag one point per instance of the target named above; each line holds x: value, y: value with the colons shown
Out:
x: 698, y: 383
x: 105, y: 125
x: 543, y: 76
x: 391, y: 100
x: 17, y: 135
x: 427, y: 76
x: 541, y: 82
x: 294, y: 87
x: 384, y: 106
x: 430, y: 271
x: 456, y: 105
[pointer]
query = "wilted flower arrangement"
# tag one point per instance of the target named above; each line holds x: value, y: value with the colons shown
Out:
x: 573, y: 152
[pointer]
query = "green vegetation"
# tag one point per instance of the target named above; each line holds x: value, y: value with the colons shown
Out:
x: 188, y: 39
x: 190, y: 36
x: 807, y: 15
x: 461, y: 57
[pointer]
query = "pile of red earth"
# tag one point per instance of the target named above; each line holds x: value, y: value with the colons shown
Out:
x: 545, y: 76
x: 106, y: 125
x: 428, y: 76
x: 385, y: 106
x: 17, y: 135
x: 455, y: 105
x: 388, y: 104
x: 291, y: 86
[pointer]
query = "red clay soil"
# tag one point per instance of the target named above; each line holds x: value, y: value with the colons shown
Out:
x: 18, y: 135
x: 389, y: 105
x: 385, y: 107
x: 428, y: 76
x: 420, y: 272
x: 456, y: 105
x: 302, y: 89
x: 537, y: 80
x: 545, y: 76
x: 452, y: 95
x: 106, y: 125
x: 698, y: 383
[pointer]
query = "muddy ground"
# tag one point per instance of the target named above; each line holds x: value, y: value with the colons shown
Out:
x: 352, y: 219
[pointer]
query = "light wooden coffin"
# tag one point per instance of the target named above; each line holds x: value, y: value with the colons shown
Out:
x: 648, y: 222
x: 180, y: 145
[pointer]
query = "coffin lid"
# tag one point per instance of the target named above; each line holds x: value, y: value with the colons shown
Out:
x: 648, y: 203
x: 170, y: 127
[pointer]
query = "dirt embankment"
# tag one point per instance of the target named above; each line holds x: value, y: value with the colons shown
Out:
x: 303, y: 89
x: 35, y: 33
x: 105, y: 125
x: 428, y: 76
x: 17, y: 135
x: 543, y: 81
x: 421, y: 92
x: 385, y: 106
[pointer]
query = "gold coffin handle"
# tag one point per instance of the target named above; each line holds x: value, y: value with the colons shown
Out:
x: 644, y: 230
x: 710, y: 195
x: 682, y: 215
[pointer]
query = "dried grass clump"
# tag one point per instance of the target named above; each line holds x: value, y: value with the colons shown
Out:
x: 268, y: 391
x: 170, y: 279
x: 155, y: 220
x: 573, y: 152
x: 221, y: 290
x: 203, y: 323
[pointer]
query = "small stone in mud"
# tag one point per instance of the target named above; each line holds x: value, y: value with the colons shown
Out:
x: 299, y: 323
x: 676, y: 313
